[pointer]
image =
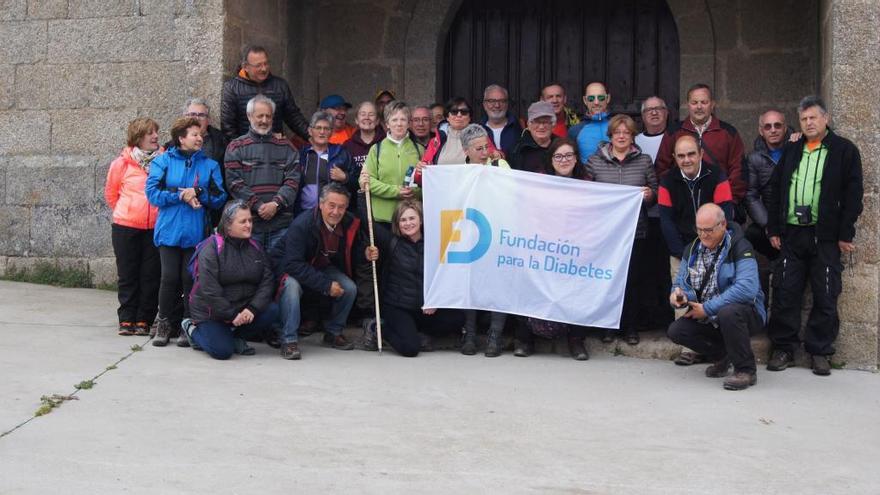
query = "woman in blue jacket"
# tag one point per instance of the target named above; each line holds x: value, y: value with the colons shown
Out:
x: 183, y: 183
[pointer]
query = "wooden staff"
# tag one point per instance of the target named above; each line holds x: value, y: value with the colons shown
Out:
x: 375, y: 277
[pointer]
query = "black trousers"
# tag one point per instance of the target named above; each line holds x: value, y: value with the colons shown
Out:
x: 137, y: 271
x: 736, y: 323
x: 176, y: 282
x: 654, y: 284
x: 805, y: 258
x: 402, y: 326
x: 636, y: 277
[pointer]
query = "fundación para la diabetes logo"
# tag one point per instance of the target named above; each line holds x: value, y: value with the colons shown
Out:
x: 449, y: 233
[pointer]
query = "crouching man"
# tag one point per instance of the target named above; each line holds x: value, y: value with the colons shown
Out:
x: 718, y: 282
x: 316, y: 255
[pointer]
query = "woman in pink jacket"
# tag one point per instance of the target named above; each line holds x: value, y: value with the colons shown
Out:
x: 137, y: 258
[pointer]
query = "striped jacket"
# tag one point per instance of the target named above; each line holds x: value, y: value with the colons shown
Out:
x: 637, y: 169
x: 260, y: 169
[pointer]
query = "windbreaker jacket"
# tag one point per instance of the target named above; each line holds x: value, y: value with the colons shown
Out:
x: 840, y: 196
x: 179, y: 225
x: 721, y: 146
x: 590, y: 134
x: 737, y: 274
x: 234, y: 276
x: 260, y: 169
x: 239, y: 90
x: 125, y: 193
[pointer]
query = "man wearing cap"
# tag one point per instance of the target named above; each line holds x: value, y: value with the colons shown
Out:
x: 337, y: 107
x: 594, y: 128
x: 530, y: 152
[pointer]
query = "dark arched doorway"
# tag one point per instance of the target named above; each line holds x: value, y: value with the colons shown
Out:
x: 632, y: 45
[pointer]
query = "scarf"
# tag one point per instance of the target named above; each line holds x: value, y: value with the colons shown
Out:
x: 143, y: 158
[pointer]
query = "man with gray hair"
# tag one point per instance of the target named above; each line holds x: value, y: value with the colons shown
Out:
x: 504, y: 127
x: 263, y: 170
x: 254, y: 78
x: 815, y: 202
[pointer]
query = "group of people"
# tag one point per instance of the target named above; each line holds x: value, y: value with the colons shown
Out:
x: 227, y: 235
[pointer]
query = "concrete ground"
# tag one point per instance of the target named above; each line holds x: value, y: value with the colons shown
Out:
x: 174, y: 421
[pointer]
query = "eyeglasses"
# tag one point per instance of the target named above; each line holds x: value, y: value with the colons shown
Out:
x: 495, y: 102
x: 563, y: 157
x: 773, y: 125
x: 197, y: 115
x: 421, y: 120
x: 541, y: 122
x: 592, y: 98
x: 707, y: 230
x: 262, y: 65
x: 459, y: 111
x: 654, y: 109
x: 322, y: 129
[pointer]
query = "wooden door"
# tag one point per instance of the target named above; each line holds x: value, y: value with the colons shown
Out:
x: 631, y: 45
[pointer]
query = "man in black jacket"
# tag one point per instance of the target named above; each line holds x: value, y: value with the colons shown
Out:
x: 317, y: 254
x: 760, y: 163
x: 817, y: 198
x: 254, y: 78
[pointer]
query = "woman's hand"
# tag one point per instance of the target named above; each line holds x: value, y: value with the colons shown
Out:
x: 429, y: 311
x: 406, y: 192
x: 420, y: 165
x: 189, y: 197
x: 647, y: 194
x: 371, y: 253
x: 243, y: 318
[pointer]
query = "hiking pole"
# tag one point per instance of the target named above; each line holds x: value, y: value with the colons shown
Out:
x: 375, y: 278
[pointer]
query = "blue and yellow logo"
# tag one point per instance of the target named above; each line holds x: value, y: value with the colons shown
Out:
x: 449, y: 233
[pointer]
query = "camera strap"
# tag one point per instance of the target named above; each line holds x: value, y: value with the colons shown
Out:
x: 818, y: 161
x: 707, y: 275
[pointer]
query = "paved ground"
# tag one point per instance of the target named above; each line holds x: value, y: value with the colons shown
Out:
x: 174, y: 421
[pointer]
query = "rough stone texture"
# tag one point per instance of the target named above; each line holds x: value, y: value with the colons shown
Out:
x: 150, y: 39
x: 13, y: 10
x: 102, y: 271
x: 89, y: 130
x: 18, y: 263
x: 780, y: 75
x: 24, y: 132
x: 22, y: 42
x: 7, y: 85
x: 80, y: 231
x: 47, y: 9
x: 50, y: 180
x: 101, y: 8
x: 2, y: 266
x: 15, y: 225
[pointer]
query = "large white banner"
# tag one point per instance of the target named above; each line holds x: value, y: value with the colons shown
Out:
x: 527, y: 244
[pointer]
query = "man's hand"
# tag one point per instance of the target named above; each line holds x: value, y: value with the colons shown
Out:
x: 267, y: 210
x: 337, y: 174
x: 429, y: 311
x: 696, y: 312
x: 372, y: 253
x: 678, y: 298
x: 364, y: 180
x: 795, y: 136
x: 336, y: 290
x: 776, y: 242
x: 406, y: 192
x: 846, y: 247
x: 243, y: 318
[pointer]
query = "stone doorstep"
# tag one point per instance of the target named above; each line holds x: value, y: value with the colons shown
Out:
x: 654, y: 345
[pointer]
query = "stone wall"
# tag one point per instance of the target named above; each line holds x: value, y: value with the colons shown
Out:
x: 73, y: 73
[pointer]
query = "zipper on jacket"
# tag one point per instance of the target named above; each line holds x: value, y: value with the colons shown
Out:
x: 827, y: 282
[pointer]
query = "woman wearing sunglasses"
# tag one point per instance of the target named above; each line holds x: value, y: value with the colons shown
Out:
x: 445, y: 147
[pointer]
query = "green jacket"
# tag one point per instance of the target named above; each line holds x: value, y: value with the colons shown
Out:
x: 387, y: 172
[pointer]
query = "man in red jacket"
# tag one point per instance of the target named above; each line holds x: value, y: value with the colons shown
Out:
x: 719, y: 140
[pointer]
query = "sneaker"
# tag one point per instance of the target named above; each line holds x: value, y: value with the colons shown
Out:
x: 740, y: 380
x: 290, y: 351
x: 163, y: 332
x: 338, y: 342
x: 522, y: 349
x: 183, y: 334
x: 719, y: 369
x: 126, y: 328
x: 142, y: 328
x: 577, y: 350
x: 779, y: 361
x: 821, y: 365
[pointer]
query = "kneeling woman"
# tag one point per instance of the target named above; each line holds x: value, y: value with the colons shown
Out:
x: 400, y: 279
x: 232, y: 297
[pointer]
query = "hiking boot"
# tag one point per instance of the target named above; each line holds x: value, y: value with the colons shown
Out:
x: 577, y: 350
x: 632, y: 337
x: 370, y: 341
x: 270, y: 337
x: 290, y: 351
x: 740, y: 380
x: 338, y: 342
x: 163, y: 332
x: 608, y: 337
x: 821, y: 365
x: 307, y: 328
x: 688, y: 358
x: 493, y: 343
x: 779, y: 361
x: 183, y: 334
x: 469, y: 342
x: 522, y: 349
x: 426, y: 344
x: 242, y: 348
x: 719, y: 369
x: 126, y: 328
x: 142, y: 328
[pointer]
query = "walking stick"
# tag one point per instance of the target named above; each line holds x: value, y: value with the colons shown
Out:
x: 375, y: 278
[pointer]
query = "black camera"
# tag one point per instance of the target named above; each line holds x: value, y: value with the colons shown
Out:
x: 804, y: 214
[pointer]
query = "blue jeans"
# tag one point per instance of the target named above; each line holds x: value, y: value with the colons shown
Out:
x: 290, y: 307
x: 217, y: 338
x: 269, y: 239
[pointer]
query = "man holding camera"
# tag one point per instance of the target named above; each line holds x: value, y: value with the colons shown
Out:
x: 817, y: 198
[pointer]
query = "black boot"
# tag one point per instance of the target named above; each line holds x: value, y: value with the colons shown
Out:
x: 163, y: 332
x: 469, y: 342
x: 577, y: 349
x: 494, y: 342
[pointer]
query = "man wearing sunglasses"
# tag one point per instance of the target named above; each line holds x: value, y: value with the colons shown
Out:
x: 594, y: 128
